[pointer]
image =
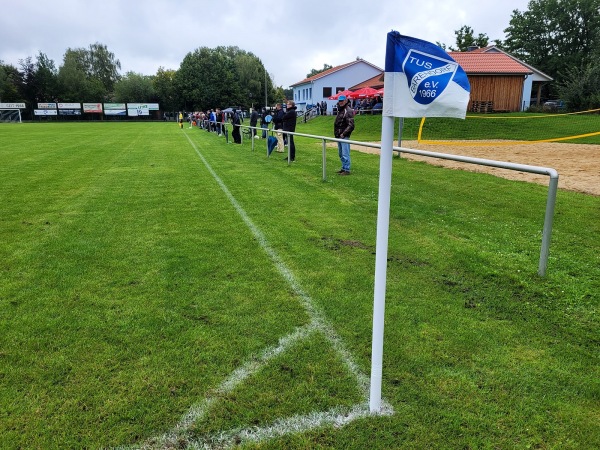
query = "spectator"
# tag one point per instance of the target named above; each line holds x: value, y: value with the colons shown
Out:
x: 213, y: 119
x: 289, y: 124
x: 264, y: 124
x: 342, y: 129
x: 253, y: 122
x: 278, y: 125
x: 236, y: 122
x: 219, y: 116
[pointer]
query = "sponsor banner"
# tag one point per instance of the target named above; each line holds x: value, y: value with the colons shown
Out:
x: 148, y: 106
x: 114, y: 112
x: 69, y: 112
x: 134, y: 112
x: 69, y: 105
x: 45, y: 112
x: 46, y: 105
x: 92, y: 108
x: 12, y: 105
x: 115, y: 106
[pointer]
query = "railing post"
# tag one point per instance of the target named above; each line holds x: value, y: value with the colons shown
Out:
x: 548, y: 220
x: 400, y: 127
x: 324, y: 160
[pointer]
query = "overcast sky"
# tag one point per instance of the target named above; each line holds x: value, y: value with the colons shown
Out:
x: 289, y: 37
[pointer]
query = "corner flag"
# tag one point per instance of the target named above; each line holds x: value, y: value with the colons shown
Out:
x: 422, y: 80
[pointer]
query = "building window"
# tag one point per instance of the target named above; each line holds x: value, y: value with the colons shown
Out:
x: 339, y: 89
x: 326, y: 92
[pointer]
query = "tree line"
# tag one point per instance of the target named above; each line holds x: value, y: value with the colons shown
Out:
x: 559, y: 37
x: 207, y: 78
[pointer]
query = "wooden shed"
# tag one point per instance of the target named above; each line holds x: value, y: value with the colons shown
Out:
x: 499, y: 82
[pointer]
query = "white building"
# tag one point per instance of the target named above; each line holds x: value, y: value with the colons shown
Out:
x: 325, y: 84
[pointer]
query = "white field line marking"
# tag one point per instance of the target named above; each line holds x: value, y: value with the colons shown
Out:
x: 315, y: 315
x: 179, y: 434
x: 337, y: 417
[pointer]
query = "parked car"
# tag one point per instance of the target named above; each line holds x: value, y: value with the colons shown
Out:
x: 554, y: 105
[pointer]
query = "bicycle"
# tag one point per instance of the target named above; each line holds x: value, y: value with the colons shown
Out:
x: 246, y: 133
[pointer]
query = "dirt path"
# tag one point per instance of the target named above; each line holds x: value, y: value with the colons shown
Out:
x: 578, y: 165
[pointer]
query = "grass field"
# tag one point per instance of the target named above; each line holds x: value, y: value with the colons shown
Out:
x: 160, y: 288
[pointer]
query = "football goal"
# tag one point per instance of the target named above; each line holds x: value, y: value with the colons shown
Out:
x: 10, y: 115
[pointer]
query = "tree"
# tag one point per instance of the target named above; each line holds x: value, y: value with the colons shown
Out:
x: 45, y: 79
x: 220, y: 77
x: 279, y: 95
x: 135, y: 88
x: 10, y: 78
x: 314, y: 72
x: 164, y: 86
x: 581, y: 88
x: 97, y: 66
x: 204, y: 80
x: 555, y: 36
x: 252, y: 78
x: 74, y: 85
x: 37, y: 80
x: 465, y: 39
x: 102, y: 65
x: 27, y: 83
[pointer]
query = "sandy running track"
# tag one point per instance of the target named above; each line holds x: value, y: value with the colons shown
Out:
x: 578, y: 165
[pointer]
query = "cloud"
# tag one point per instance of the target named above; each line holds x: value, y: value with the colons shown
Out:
x: 290, y: 38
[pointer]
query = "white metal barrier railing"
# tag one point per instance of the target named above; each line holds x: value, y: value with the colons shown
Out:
x: 551, y: 173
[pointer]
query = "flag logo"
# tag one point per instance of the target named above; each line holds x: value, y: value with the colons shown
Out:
x: 427, y: 75
x: 422, y: 80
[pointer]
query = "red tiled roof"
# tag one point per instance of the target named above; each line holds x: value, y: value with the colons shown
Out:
x: 376, y: 83
x: 333, y: 69
x: 478, y: 62
x: 324, y: 73
x: 494, y: 49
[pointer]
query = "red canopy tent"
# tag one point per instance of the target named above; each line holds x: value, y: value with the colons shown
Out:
x: 335, y: 97
x: 363, y: 93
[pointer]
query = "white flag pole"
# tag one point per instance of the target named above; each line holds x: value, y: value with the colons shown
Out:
x: 383, y: 224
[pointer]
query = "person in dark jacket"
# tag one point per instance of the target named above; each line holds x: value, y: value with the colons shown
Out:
x: 254, y: 121
x: 289, y: 124
x: 278, y: 125
x: 236, y: 122
x: 342, y: 129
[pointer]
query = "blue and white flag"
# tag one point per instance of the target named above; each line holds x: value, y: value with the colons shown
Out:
x: 422, y: 80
